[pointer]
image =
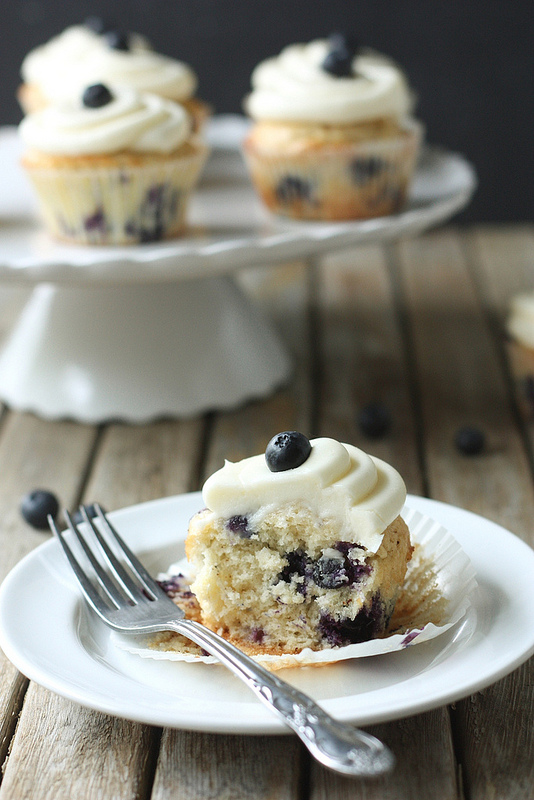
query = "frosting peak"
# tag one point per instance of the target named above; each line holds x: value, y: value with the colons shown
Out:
x: 79, y: 57
x: 130, y: 121
x: 339, y: 481
x: 293, y: 87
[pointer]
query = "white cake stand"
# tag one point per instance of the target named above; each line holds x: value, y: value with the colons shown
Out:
x: 163, y: 329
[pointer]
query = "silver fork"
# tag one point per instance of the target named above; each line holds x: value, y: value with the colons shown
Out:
x: 128, y: 599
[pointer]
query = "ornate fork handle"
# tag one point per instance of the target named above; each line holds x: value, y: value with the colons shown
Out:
x: 336, y: 745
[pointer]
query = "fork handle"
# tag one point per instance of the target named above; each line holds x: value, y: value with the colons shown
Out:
x: 336, y: 745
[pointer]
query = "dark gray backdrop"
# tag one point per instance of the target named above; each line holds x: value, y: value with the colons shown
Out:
x: 470, y: 61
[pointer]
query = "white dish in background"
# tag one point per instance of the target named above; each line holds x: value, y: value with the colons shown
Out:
x: 47, y: 632
x: 229, y: 227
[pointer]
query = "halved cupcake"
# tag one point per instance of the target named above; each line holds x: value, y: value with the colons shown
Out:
x: 303, y: 547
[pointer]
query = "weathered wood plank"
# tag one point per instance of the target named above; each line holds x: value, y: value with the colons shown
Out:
x: 203, y: 765
x: 33, y: 454
x: 282, y: 293
x: 108, y: 757
x: 362, y: 360
x: 59, y: 754
x: 425, y: 767
x: 461, y: 382
x: 217, y: 767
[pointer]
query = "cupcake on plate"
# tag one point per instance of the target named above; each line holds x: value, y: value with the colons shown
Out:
x: 114, y: 166
x: 333, y: 137
x: 93, y: 53
x: 300, y: 547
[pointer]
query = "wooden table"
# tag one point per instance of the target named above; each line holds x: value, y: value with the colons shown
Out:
x: 419, y: 327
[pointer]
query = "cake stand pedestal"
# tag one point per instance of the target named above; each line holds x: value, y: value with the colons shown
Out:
x: 136, y: 333
x: 139, y: 352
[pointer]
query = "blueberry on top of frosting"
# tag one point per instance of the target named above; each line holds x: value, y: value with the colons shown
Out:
x: 96, y: 24
x: 341, y: 52
x: 96, y: 96
x: 287, y: 450
x: 117, y: 40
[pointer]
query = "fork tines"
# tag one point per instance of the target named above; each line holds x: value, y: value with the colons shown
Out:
x: 122, y: 579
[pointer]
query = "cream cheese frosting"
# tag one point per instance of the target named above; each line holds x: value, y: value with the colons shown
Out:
x: 50, y: 63
x: 293, y: 87
x: 520, y: 322
x: 130, y: 121
x: 337, y: 481
x: 79, y: 57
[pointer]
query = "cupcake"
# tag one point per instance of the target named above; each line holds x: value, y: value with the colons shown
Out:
x: 300, y: 547
x: 333, y: 137
x: 114, y: 166
x: 92, y: 53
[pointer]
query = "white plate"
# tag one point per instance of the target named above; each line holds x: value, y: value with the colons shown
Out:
x: 229, y: 227
x: 48, y: 634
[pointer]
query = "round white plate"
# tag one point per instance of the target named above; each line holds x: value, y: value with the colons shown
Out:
x: 48, y: 634
x: 229, y: 228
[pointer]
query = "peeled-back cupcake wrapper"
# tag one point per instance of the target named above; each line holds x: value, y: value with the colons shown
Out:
x: 437, y: 592
x: 117, y: 205
x: 351, y: 180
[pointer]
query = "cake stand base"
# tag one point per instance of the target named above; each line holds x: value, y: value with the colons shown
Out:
x: 139, y: 352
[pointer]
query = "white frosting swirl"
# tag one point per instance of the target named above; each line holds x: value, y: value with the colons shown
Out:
x: 337, y: 481
x: 520, y: 322
x: 79, y: 57
x: 50, y: 63
x: 293, y: 87
x: 131, y: 121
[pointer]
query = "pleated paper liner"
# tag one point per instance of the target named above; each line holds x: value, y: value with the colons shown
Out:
x: 436, y: 595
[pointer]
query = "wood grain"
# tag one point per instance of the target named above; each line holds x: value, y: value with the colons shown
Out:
x: 461, y: 382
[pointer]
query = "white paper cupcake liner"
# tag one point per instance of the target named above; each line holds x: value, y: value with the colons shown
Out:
x: 436, y: 595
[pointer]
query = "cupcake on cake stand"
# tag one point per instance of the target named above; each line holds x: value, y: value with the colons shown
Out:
x: 163, y: 329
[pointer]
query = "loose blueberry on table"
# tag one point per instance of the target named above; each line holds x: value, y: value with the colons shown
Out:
x: 374, y: 420
x: 37, y: 505
x: 91, y: 513
x: 287, y: 450
x: 470, y: 441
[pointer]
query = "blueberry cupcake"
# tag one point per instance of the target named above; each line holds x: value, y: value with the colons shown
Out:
x: 300, y: 547
x: 114, y: 166
x: 94, y: 53
x: 333, y: 137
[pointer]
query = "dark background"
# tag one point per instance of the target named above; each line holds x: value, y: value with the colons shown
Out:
x: 471, y: 63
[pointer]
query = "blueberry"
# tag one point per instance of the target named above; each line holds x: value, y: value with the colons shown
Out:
x: 96, y: 96
x: 287, y: 450
x: 76, y: 516
x: 368, y: 623
x: 330, y: 573
x: 342, y: 41
x: 470, y: 441
x: 374, y: 420
x: 339, y: 63
x: 96, y: 24
x: 297, y: 564
x: 239, y: 525
x: 37, y: 505
x: 95, y: 222
x: 292, y: 188
x: 117, y: 40
x: 364, y: 170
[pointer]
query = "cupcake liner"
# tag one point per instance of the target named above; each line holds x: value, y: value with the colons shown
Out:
x: 125, y: 204
x: 435, y: 596
x: 352, y: 180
